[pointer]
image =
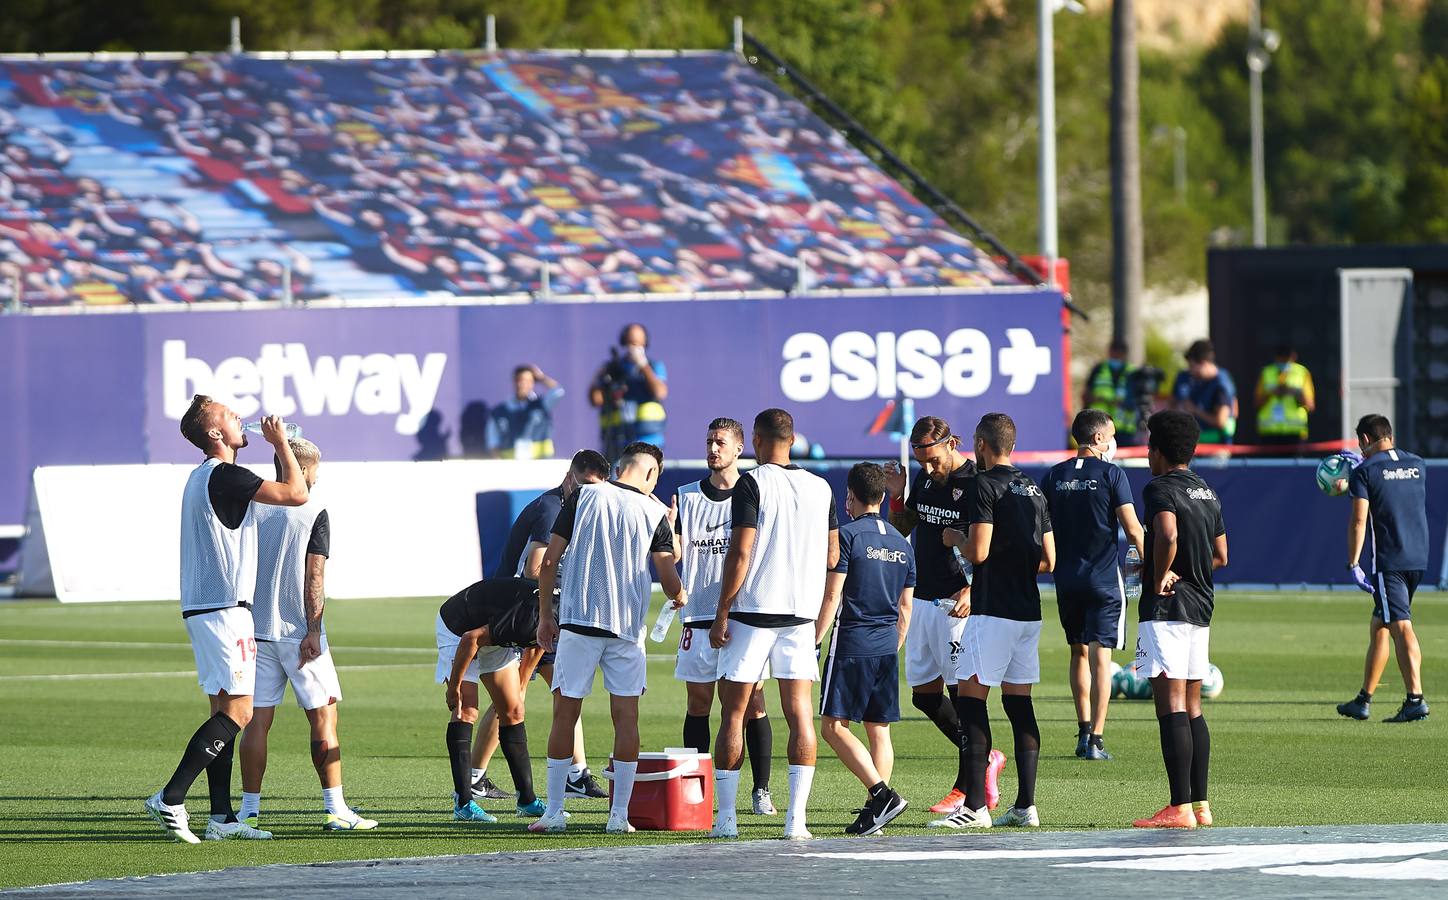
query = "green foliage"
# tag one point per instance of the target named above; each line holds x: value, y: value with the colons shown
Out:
x: 1354, y: 99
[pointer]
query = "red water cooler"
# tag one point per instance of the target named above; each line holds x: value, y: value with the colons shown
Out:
x: 673, y: 791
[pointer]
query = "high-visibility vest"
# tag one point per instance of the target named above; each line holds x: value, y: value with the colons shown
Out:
x: 1108, y: 394
x: 1283, y: 416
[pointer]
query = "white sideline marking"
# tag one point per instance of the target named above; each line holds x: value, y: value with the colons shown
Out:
x: 112, y: 676
x: 1403, y: 870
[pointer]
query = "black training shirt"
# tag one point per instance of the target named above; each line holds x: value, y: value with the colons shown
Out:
x: 1005, y: 584
x: 938, y: 507
x: 320, y: 542
x: 508, y: 606
x: 1199, y: 523
x: 231, y: 488
x: 534, y: 524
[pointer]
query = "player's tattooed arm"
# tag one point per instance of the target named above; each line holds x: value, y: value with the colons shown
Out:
x: 901, y: 516
x: 312, y: 604
x: 736, y: 566
x: 1164, y: 549
x: 547, y: 578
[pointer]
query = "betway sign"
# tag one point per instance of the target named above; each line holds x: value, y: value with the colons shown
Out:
x: 920, y: 364
x: 286, y: 380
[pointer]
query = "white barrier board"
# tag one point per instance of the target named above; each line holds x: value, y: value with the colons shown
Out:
x: 399, y: 529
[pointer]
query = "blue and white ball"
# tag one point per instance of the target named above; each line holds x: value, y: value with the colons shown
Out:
x: 1332, y: 475
x: 1212, y: 685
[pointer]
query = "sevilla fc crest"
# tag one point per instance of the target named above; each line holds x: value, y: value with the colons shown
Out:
x: 955, y: 494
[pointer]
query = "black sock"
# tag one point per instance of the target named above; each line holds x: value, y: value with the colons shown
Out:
x: 878, y: 788
x: 1176, y: 752
x: 1083, y: 728
x: 759, y: 741
x: 1201, y: 757
x: 1365, y: 697
x: 218, y: 784
x: 942, y: 712
x: 214, y: 736
x: 513, y: 741
x: 975, y: 726
x: 1022, y: 714
x: 1415, y: 698
x: 459, y: 754
x: 696, y: 733
x: 1095, y: 740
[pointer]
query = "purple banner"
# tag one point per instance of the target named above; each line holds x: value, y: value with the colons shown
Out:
x: 415, y: 382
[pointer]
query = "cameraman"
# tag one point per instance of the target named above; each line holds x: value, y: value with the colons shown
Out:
x: 628, y: 392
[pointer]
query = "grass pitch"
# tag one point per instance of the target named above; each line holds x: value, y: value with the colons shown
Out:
x: 95, y: 702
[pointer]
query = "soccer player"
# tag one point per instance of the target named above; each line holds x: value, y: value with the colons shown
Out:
x: 615, y: 527
x: 784, y: 537
x: 1389, y: 489
x: 1185, y: 542
x: 702, y: 525
x: 291, y: 645
x: 861, y: 682
x: 936, y: 501
x: 1087, y: 497
x: 523, y: 557
x: 479, y: 632
x: 1009, y: 544
x: 218, y: 581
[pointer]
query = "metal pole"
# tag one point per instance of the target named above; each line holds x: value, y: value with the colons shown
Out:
x: 1257, y: 60
x: 235, y: 47
x: 1127, y: 254
x: 739, y: 35
x: 490, y: 43
x: 288, y: 298
x: 1046, y: 66
x: 545, y: 290
x: 801, y: 276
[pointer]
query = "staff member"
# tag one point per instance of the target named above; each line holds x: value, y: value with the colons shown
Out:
x: 1109, y: 389
x: 521, y: 427
x: 1207, y: 391
x: 1390, y: 489
x: 1285, y: 398
x: 628, y: 392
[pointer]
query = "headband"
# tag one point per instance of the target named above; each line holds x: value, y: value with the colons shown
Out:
x: 928, y: 444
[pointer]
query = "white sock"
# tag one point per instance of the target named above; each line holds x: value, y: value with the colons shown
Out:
x: 478, y: 773
x: 575, y: 769
x: 250, y: 805
x: 726, y: 792
x: 623, y: 785
x: 557, y: 785
x: 800, y: 779
x: 333, y: 801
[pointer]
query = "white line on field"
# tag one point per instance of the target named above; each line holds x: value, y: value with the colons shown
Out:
x: 115, y: 676
x: 162, y: 645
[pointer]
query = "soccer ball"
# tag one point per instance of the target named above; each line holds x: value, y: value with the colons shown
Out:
x: 1119, y: 677
x: 1212, y: 685
x: 1128, y: 684
x: 1140, y: 687
x: 1331, y: 473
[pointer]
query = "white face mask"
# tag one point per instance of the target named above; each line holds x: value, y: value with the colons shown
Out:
x: 1110, y: 452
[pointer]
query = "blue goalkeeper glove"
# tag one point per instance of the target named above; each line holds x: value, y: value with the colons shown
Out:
x: 1360, y: 578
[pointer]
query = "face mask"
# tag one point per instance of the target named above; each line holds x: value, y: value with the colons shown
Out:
x: 1110, y: 452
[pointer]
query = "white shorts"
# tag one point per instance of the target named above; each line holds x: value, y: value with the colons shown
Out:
x: 487, y: 660
x: 224, y: 644
x: 1000, y: 651
x: 754, y: 654
x: 698, y: 660
x: 1176, y: 649
x: 279, y: 662
x: 932, y: 645
x: 579, y: 656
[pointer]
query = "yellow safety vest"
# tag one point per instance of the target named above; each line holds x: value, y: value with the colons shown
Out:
x: 1108, y: 394
x: 1283, y: 416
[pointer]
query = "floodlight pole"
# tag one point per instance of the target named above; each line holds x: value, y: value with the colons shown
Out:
x: 1046, y: 66
x: 235, y: 48
x: 490, y: 42
x: 739, y: 35
x: 1258, y: 58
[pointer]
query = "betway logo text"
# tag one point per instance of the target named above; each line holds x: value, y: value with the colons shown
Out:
x: 285, y: 381
x: 855, y: 365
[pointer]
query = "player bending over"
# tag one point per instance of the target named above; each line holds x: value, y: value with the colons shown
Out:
x: 1185, y: 542
x: 702, y: 526
x: 1010, y: 543
x: 523, y: 557
x: 615, y: 528
x: 861, y: 683
x: 218, y: 582
x: 291, y: 645
x: 479, y: 631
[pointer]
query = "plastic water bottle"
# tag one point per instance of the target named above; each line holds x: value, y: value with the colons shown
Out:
x: 662, y: 623
x: 966, y: 568
x: 1133, y: 574
x: 292, y: 429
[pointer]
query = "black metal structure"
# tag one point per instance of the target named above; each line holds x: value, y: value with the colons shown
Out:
x: 1262, y: 297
